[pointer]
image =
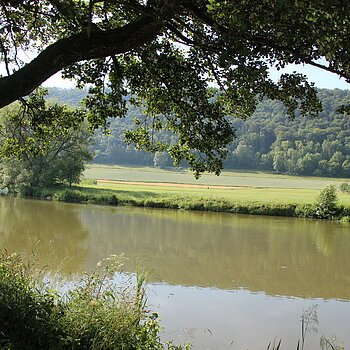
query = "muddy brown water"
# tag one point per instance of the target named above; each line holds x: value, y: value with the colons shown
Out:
x: 219, y: 281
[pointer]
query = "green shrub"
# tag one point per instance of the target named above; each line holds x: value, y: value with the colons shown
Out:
x: 74, y: 196
x: 96, y: 314
x: 305, y: 211
x: 345, y: 219
x: 108, y: 199
x: 27, y: 314
x: 326, y: 203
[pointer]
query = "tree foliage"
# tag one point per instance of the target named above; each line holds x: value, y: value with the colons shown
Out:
x: 41, y: 146
x: 303, y: 146
x: 326, y: 203
x: 268, y: 141
x: 167, y: 54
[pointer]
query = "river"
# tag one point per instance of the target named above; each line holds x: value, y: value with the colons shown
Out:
x: 220, y: 281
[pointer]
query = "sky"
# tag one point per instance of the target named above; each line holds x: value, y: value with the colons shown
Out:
x: 321, y: 78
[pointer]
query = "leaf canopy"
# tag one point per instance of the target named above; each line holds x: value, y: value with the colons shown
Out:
x: 189, y: 63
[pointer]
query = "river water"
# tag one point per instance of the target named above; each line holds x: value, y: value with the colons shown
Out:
x: 219, y: 281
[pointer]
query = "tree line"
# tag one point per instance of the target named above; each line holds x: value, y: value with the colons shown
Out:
x: 269, y: 140
x: 316, y: 146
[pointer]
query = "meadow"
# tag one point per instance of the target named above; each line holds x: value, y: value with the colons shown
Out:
x: 231, y: 186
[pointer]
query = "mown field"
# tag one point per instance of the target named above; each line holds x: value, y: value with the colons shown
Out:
x: 244, y: 187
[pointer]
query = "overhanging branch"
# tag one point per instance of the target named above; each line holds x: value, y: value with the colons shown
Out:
x: 76, y: 48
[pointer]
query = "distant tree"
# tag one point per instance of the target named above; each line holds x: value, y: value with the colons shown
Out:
x: 279, y: 164
x: 33, y: 158
x: 335, y: 164
x: 344, y: 187
x: 266, y: 161
x: 309, y: 163
x: 162, y: 159
x: 346, y: 167
x: 245, y: 157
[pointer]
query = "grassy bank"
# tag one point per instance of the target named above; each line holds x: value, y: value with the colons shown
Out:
x: 95, y: 314
x: 268, y: 202
x: 232, y: 192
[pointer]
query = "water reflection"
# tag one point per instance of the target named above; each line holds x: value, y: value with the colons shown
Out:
x: 52, y: 231
x: 278, y: 256
x: 222, y: 272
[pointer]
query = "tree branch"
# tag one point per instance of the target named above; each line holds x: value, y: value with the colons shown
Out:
x: 76, y: 48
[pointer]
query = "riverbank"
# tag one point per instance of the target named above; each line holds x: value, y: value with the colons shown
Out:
x: 91, y: 192
x: 95, y: 313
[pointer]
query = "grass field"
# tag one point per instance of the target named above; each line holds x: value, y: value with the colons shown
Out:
x: 254, y: 187
x: 227, y: 178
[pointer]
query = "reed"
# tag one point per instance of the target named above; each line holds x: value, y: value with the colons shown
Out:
x: 96, y: 314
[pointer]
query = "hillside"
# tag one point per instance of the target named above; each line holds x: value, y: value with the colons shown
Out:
x: 268, y: 141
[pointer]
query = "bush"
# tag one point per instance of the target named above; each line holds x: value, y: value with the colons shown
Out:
x: 305, y: 210
x: 326, y: 203
x: 27, y: 315
x: 74, y: 196
x: 96, y: 314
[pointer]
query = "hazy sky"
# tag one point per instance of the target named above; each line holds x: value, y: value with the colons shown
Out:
x: 322, y: 79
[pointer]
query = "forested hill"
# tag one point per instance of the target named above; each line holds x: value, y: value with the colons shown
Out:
x: 68, y: 96
x: 267, y: 141
x: 303, y: 146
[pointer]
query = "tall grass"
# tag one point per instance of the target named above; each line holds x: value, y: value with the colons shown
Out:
x: 309, y: 323
x: 95, y: 314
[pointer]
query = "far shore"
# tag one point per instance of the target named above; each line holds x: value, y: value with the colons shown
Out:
x: 187, y: 197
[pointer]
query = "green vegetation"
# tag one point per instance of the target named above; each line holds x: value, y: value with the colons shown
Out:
x: 345, y: 187
x: 165, y: 57
x: 95, y: 314
x: 303, y: 146
x: 269, y: 141
x: 70, y: 97
x: 45, y: 154
x: 326, y: 203
x: 280, y: 202
x: 224, y: 196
